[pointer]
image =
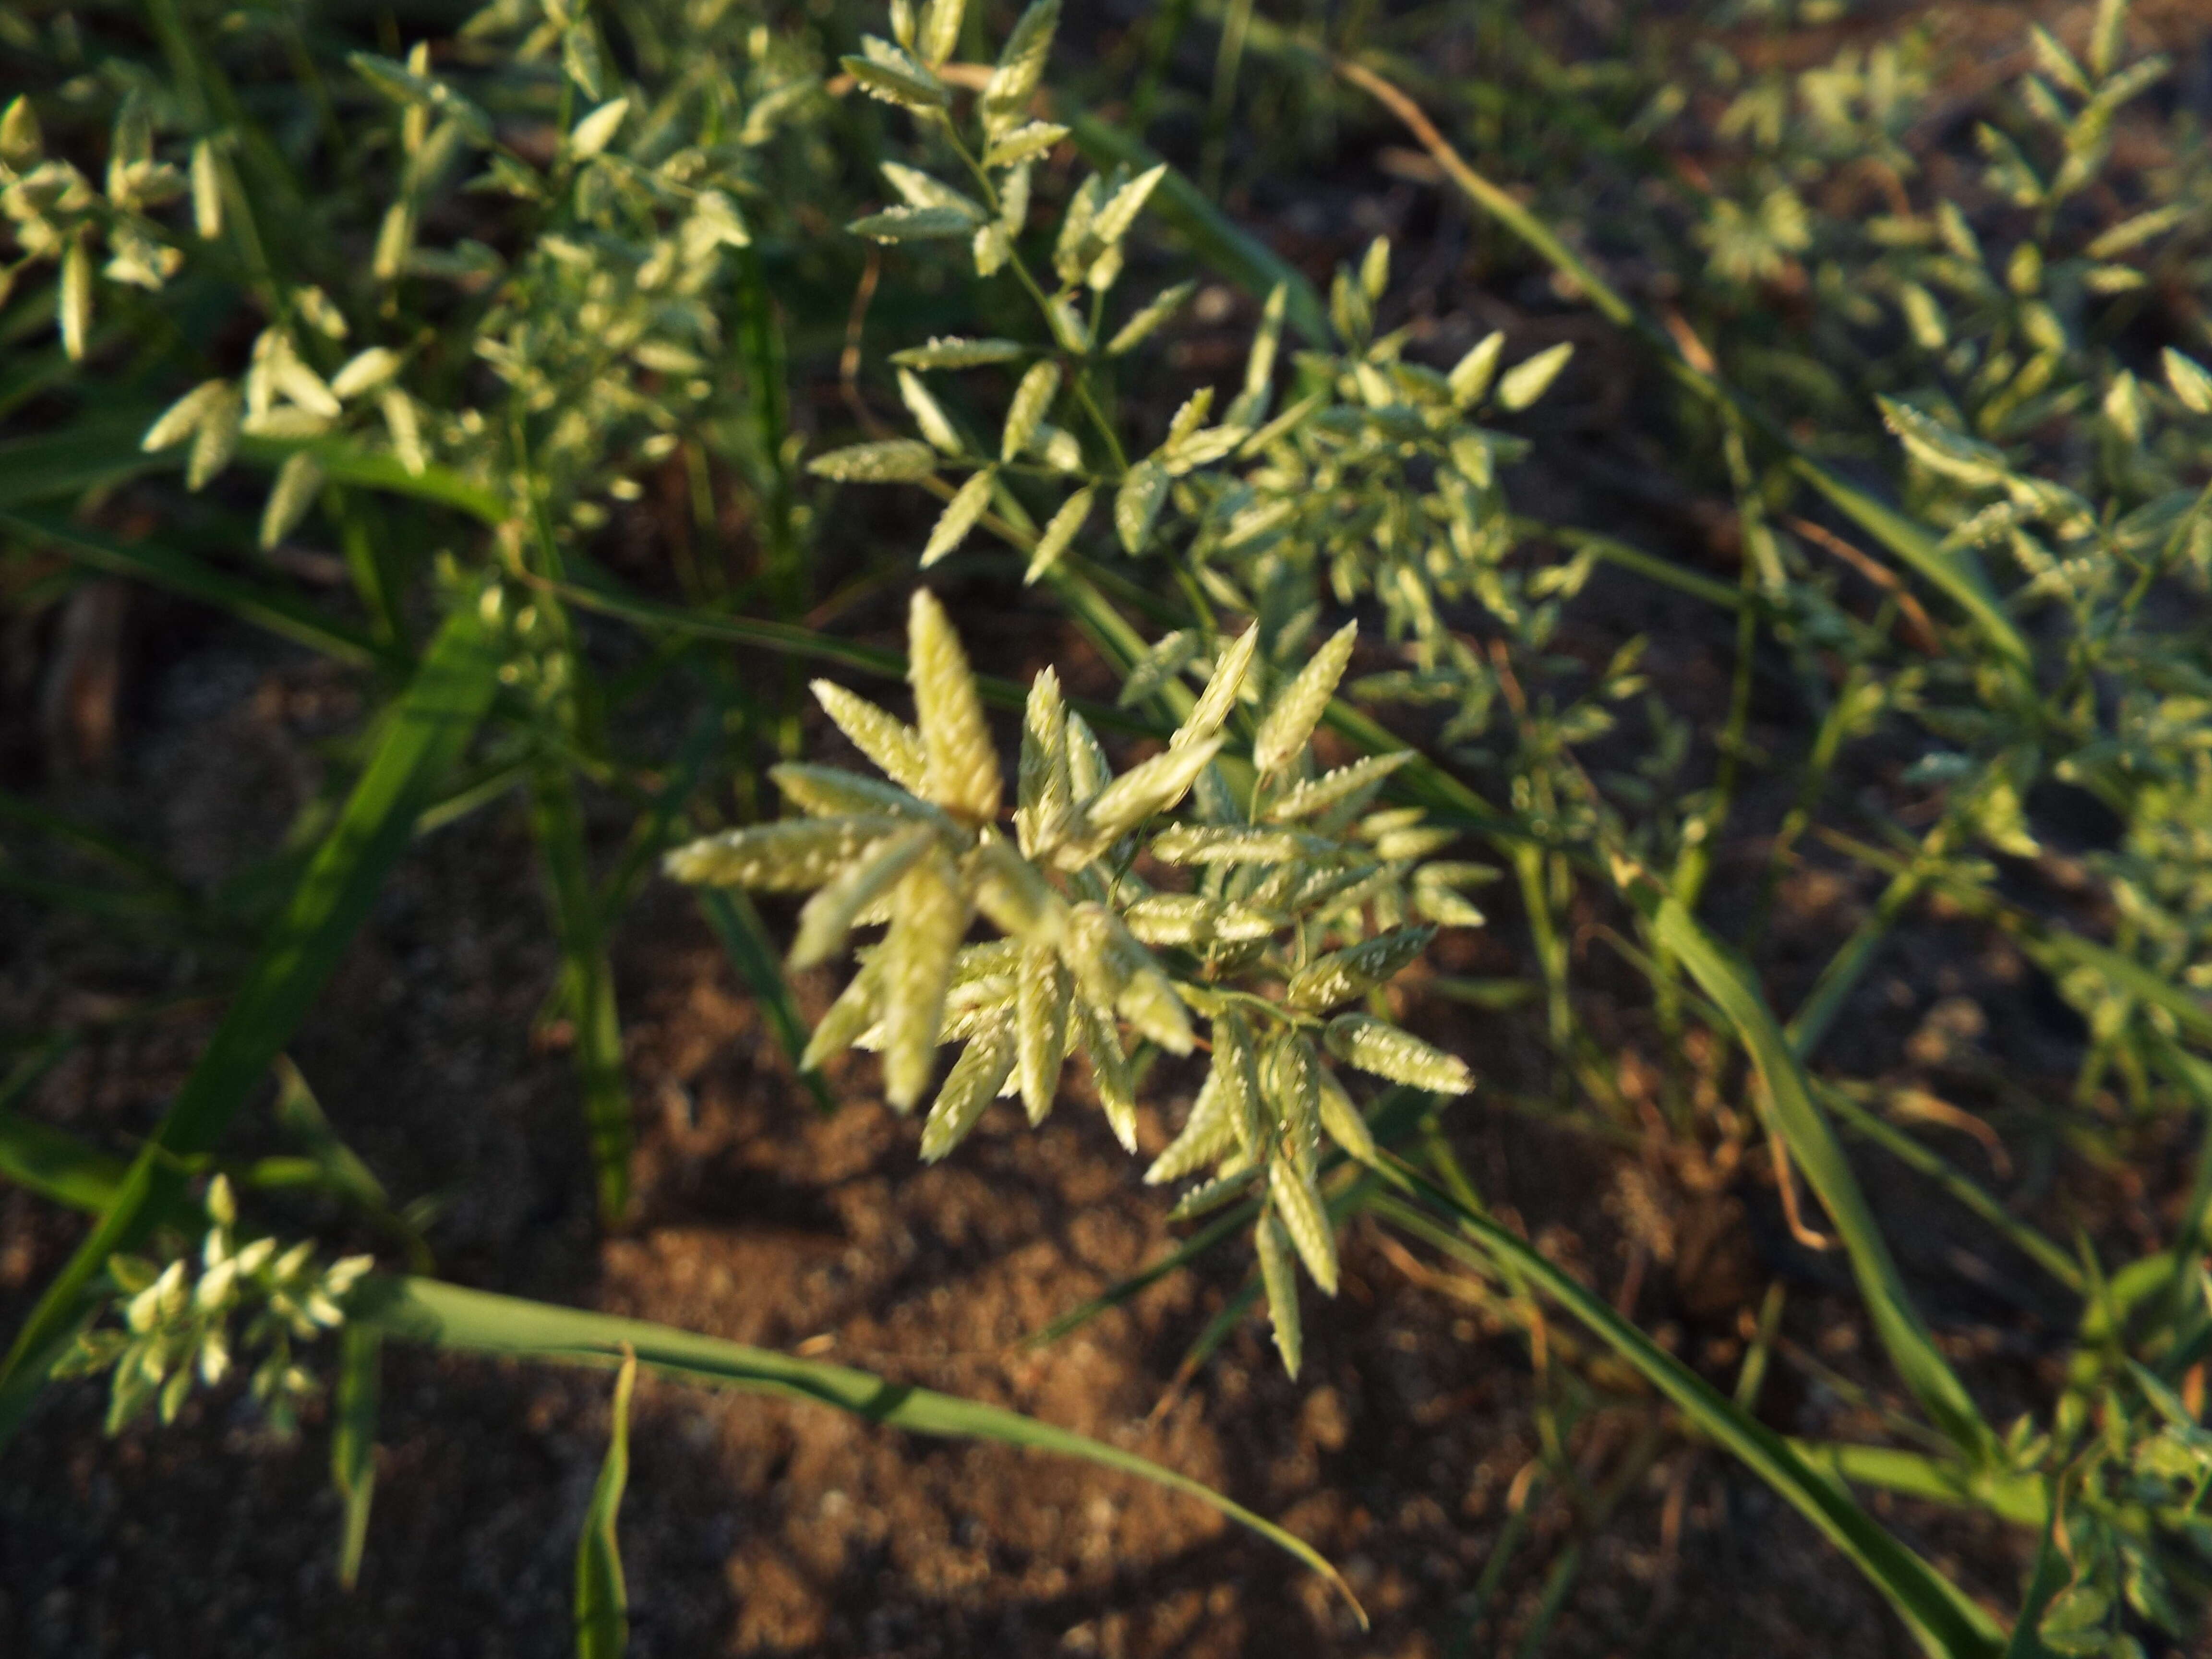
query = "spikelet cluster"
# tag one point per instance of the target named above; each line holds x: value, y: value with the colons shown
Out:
x: 1378, y: 480
x: 1246, y: 894
x: 258, y: 1298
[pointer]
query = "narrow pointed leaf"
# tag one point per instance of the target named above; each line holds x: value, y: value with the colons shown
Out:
x: 353, y: 1442
x: 1946, y: 1621
x: 180, y: 573
x: 602, y: 1599
x: 1814, y: 1148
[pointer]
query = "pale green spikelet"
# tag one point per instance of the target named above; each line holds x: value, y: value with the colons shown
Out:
x: 974, y: 1082
x: 884, y: 739
x: 1194, y: 919
x: 959, y: 517
x: 1059, y: 533
x: 1208, y: 1136
x: 1337, y: 978
x: 1110, y: 1071
x: 831, y: 791
x: 1089, y: 948
x: 1314, y: 795
x: 1042, y: 790
x: 928, y: 916
x: 1014, y: 894
x: 1193, y: 843
x: 1297, y: 708
x: 1291, y: 1071
x: 1032, y: 402
x: 858, y: 1006
x: 1238, y: 1065
x: 1153, y: 787
x: 961, y: 772
x: 829, y: 914
x: 1222, y: 688
x: 1298, y: 1204
x: 1342, y: 1119
x: 183, y: 418
x: 1044, y: 991
x: 1281, y: 1282
x: 1229, y: 1182
x: 1388, y: 1051
x: 790, y: 855
x: 1088, y: 771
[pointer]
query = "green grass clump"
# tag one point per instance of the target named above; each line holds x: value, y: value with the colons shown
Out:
x: 473, y: 309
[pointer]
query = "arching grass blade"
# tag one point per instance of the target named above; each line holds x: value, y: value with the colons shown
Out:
x: 455, y: 1319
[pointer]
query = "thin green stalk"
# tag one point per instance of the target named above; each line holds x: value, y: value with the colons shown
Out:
x: 353, y: 1442
x: 1532, y: 871
x: 1228, y: 59
x: 1166, y: 29
x: 1694, y: 860
x: 1232, y: 1220
x: 1843, y: 971
x: 602, y: 1599
x: 761, y: 340
x: 1819, y: 762
x: 588, y: 990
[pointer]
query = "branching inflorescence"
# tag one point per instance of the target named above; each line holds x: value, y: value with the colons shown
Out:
x: 1250, y: 892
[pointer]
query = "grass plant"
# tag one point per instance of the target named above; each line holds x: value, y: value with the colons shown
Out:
x: 468, y: 306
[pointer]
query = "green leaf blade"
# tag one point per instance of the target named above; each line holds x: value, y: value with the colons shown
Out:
x: 602, y: 1598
